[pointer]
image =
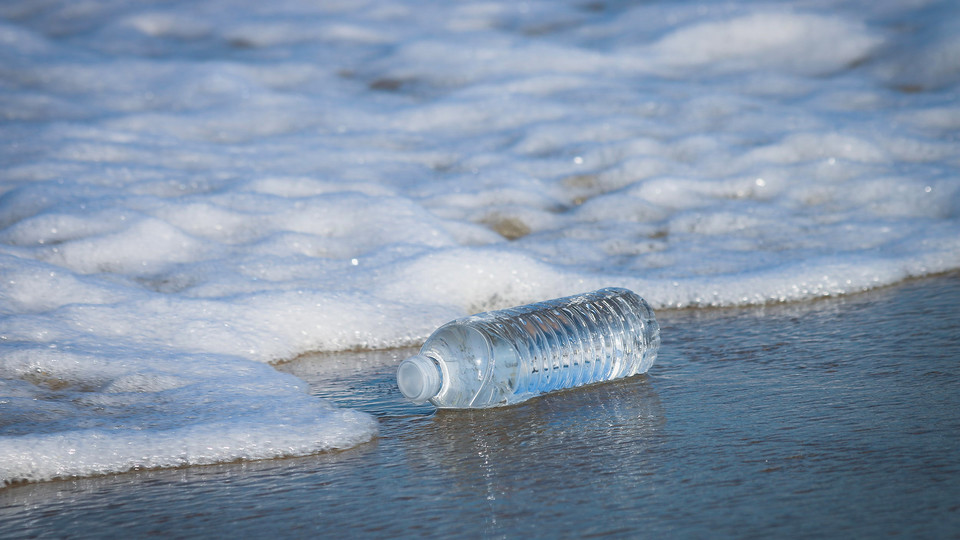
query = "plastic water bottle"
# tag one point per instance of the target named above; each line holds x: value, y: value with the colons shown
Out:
x: 507, y: 356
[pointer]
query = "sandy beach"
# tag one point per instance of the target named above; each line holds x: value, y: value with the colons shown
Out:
x: 828, y: 418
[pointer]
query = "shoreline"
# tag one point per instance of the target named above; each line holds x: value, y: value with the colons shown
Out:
x: 747, y: 410
x: 668, y: 311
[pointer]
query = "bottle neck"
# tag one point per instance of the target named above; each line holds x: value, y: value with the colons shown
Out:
x: 419, y: 378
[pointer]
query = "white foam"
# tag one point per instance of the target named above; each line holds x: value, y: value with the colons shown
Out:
x: 797, y: 42
x: 189, y: 195
x: 111, y: 409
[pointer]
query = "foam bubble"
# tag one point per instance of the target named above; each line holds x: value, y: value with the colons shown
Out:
x: 798, y: 42
x: 86, y: 413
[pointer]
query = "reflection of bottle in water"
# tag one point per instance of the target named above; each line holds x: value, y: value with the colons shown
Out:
x: 504, y: 357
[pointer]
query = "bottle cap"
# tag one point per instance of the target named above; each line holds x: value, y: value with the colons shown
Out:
x: 419, y: 378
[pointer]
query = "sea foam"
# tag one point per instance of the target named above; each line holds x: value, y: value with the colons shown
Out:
x: 192, y: 192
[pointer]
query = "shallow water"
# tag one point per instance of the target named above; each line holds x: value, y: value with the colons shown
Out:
x: 836, y: 417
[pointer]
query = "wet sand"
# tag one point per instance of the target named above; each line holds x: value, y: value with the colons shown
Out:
x: 835, y: 417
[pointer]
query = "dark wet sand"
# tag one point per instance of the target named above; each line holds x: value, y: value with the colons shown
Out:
x: 839, y: 417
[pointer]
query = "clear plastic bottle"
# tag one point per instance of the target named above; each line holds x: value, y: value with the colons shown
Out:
x: 507, y: 356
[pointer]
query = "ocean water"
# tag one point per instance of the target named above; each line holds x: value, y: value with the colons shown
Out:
x: 193, y: 191
x: 834, y: 418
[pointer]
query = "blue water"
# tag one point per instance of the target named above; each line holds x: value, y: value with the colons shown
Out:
x: 832, y: 418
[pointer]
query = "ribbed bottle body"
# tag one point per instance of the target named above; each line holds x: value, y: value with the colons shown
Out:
x: 507, y: 356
